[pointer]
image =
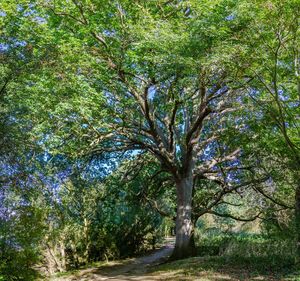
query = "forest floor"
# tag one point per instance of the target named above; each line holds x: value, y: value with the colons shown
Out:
x: 152, y: 268
x: 129, y: 269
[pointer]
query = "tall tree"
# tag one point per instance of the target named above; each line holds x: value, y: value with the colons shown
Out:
x: 166, y: 75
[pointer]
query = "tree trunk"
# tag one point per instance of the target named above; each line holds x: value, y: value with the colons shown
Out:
x: 184, y: 245
x: 62, y: 249
x: 297, y: 220
x: 87, y: 241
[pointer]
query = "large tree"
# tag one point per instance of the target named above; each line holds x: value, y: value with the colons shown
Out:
x: 162, y: 77
x: 158, y: 76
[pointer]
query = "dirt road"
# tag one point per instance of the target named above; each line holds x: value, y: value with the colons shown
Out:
x: 132, y: 269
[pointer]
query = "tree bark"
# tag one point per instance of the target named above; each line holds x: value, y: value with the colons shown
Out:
x: 62, y: 248
x: 87, y: 240
x: 184, y: 244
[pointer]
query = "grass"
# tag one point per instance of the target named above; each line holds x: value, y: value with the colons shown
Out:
x: 236, y: 256
x: 214, y: 268
x: 102, y: 265
x: 220, y: 268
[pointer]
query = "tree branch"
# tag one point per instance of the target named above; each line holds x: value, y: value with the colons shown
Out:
x: 224, y: 215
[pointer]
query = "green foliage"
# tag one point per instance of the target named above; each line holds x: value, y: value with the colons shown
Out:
x: 20, y: 234
x: 240, y: 268
x: 242, y: 242
x: 70, y: 72
x: 245, y: 245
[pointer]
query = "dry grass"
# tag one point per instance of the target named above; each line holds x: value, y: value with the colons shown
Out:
x: 221, y: 269
x: 193, y: 269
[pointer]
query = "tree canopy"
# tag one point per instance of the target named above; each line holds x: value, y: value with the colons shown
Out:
x: 190, y: 108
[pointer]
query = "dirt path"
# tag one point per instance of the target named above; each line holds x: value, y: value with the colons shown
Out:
x: 132, y: 269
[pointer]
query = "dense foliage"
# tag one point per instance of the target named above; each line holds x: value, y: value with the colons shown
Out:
x: 122, y: 122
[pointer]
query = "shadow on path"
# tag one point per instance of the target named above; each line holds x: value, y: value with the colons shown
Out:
x: 133, y: 269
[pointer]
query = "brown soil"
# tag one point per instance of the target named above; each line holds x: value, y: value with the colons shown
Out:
x: 130, y: 269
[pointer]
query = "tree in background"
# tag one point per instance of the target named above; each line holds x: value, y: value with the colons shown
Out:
x: 276, y: 90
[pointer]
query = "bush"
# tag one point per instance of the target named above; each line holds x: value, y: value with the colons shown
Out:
x: 244, y: 245
x: 16, y: 266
